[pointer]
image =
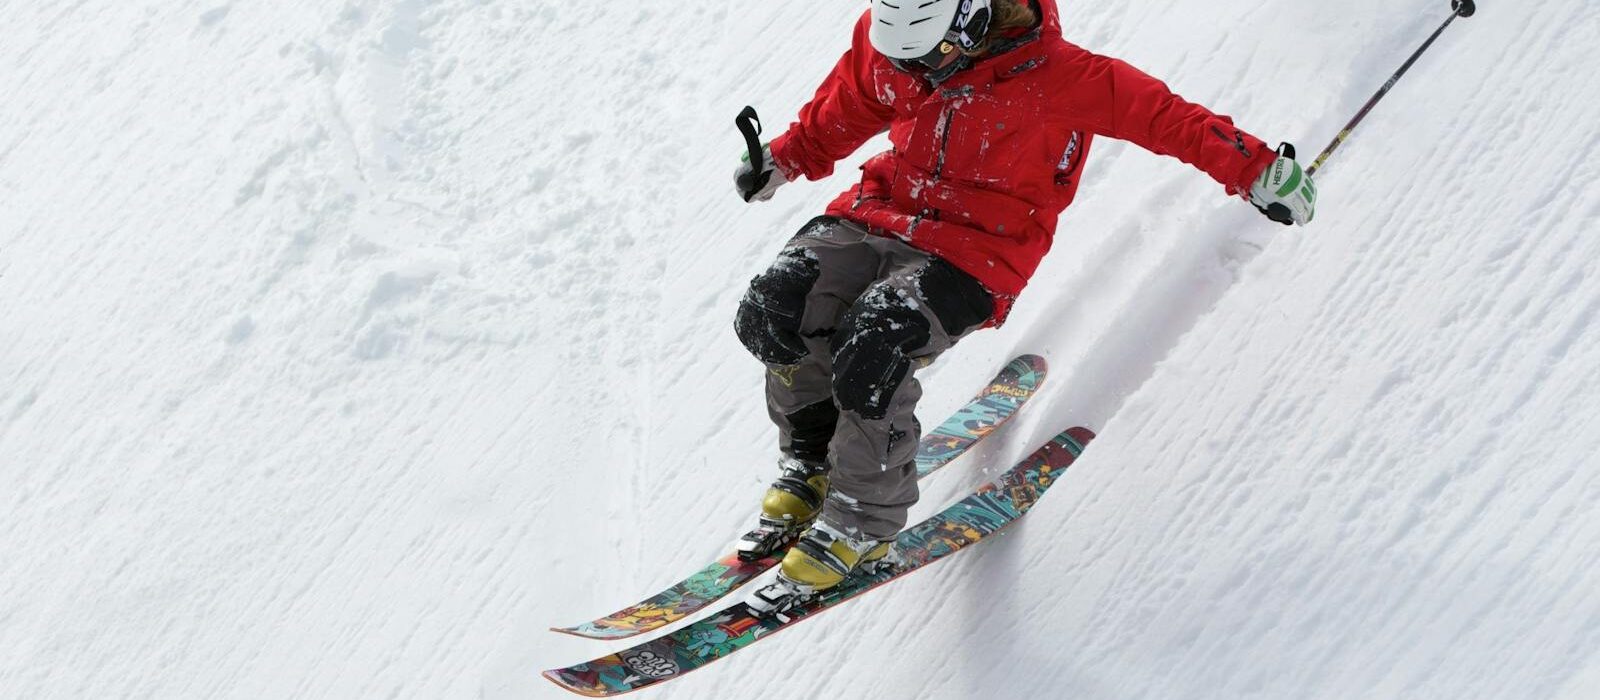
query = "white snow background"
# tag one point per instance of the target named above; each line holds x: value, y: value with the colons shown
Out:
x: 346, y: 345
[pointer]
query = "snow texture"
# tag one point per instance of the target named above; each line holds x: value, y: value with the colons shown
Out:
x: 345, y: 345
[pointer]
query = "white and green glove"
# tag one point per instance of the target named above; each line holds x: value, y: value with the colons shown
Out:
x: 759, y: 185
x: 1285, y: 192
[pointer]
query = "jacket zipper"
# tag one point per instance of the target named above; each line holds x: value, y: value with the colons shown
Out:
x: 947, y: 115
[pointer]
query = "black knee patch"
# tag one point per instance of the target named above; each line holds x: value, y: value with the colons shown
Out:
x: 768, y: 322
x: 957, y: 299
x: 870, y: 351
x: 810, y: 431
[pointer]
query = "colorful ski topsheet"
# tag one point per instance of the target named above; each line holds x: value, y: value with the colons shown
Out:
x: 992, y: 507
x: 987, y: 411
x: 1011, y: 388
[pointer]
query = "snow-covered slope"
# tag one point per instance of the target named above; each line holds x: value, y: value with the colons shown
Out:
x: 346, y: 345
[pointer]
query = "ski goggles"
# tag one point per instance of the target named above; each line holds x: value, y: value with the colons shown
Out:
x: 926, y: 62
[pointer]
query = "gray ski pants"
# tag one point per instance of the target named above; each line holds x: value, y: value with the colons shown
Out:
x: 842, y: 320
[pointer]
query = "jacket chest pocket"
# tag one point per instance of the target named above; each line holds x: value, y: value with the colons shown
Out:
x: 997, y: 144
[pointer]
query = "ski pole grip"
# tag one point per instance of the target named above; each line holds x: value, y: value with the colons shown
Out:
x: 749, y: 124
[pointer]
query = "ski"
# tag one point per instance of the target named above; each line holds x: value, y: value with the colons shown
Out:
x: 983, y: 513
x: 991, y: 408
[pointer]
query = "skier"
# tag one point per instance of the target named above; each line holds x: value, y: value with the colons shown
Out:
x: 991, y: 115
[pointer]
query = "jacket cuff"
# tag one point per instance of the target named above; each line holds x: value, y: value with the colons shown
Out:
x: 1265, y: 157
x: 787, y: 156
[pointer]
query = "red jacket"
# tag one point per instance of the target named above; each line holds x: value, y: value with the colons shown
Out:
x: 983, y: 165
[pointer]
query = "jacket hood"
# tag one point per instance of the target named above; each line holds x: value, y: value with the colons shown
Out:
x: 1049, y: 17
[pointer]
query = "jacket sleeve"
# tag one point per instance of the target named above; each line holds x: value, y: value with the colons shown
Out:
x: 1117, y: 100
x: 842, y: 116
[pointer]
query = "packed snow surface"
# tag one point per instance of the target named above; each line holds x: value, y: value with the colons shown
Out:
x: 346, y: 345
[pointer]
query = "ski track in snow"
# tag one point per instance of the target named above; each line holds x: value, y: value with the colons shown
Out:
x: 345, y: 346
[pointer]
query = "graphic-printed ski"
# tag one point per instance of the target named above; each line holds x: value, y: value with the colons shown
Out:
x: 991, y: 408
x: 981, y: 514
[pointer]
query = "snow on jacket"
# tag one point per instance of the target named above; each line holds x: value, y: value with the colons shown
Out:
x: 984, y: 163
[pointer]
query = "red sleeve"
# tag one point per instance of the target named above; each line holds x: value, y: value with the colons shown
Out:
x: 1123, y: 102
x: 843, y: 114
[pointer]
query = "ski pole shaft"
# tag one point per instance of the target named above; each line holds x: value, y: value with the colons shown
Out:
x: 1461, y: 8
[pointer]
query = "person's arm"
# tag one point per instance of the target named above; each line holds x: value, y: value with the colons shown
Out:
x: 1117, y: 100
x: 842, y: 116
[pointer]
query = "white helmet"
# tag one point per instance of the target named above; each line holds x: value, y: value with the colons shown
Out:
x: 927, y: 30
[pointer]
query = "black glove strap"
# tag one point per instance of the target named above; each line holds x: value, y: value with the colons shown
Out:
x: 754, y: 181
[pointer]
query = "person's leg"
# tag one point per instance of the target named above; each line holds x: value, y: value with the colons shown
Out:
x: 787, y: 320
x: 918, y: 310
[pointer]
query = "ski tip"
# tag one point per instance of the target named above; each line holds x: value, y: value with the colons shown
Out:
x: 1023, y: 373
x: 1080, y: 436
x: 1030, y: 363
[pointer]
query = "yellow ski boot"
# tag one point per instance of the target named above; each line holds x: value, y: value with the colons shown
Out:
x: 824, y: 557
x: 791, y: 503
x: 821, y: 559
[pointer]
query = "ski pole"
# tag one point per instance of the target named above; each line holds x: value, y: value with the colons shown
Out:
x: 1461, y: 8
x: 750, y: 125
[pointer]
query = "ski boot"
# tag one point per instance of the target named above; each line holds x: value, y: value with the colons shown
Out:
x: 821, y: 559
x: 791, y: 503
